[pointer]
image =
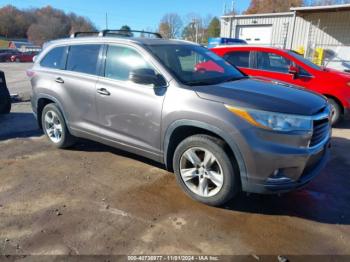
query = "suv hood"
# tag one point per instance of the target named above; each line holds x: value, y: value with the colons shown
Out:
x: 264, y: 95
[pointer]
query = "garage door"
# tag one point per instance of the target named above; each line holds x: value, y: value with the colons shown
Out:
x: 258, y: 35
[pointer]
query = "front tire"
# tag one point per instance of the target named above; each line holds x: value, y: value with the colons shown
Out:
x: 55, y: 128
x: 336, y: 111
x: 205, y: 170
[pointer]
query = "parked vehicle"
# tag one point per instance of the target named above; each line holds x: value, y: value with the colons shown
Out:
x: 222, y: 41
x: 219, y: 131
x: 290, y: 67
x: 5, y: 54
x: 5, y: 99
x: 24, y: 57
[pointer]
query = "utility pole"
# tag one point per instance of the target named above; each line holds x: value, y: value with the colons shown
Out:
x: 195, y: 26
x: 106, y: 20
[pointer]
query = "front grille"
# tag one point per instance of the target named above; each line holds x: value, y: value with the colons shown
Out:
x: 320, y: 131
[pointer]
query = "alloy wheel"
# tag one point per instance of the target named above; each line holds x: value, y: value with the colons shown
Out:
x: 201, y: 172
x: 53, y: 126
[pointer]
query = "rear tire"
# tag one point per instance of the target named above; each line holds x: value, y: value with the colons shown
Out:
x: 336, y: 111
x: 55, y: 128
x: 205, y: 170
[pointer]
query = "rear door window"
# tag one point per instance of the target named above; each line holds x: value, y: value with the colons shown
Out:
x: 83, y: 58
x: 56, y: 58
x: 240, y: 59
x: 272, y: 62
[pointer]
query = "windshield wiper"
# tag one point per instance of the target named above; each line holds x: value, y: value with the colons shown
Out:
x: 199, y: 83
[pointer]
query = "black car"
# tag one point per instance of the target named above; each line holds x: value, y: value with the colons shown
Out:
x: 5, y: 99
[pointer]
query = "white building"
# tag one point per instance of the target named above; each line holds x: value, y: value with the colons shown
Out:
x: 303, y: 28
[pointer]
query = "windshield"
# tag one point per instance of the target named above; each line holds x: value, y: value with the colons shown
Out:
x: 304, y: 60
x: 195, y: 65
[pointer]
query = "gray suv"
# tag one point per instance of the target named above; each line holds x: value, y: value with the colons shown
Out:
x: 180, y: 104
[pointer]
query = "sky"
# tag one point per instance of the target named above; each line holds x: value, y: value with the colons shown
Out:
x: 138, y: 14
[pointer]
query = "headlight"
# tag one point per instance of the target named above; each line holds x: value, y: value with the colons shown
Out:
x: 272, y: 120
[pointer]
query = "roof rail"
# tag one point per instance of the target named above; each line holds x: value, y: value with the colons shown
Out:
x: 76, y: 34
x: 127, y: 33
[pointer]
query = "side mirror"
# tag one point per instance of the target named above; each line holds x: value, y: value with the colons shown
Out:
x: 146, y: 76
x: 293, y: 70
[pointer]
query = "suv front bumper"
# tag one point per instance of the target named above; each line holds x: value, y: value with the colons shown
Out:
x: 280, y: 163
x: 305, y: 172
x: 313, y: 169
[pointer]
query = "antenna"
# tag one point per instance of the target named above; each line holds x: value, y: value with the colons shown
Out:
x: 224, y: 10
x: 106, y: 20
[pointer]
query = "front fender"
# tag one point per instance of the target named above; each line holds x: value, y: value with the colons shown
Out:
x: 224, y: 135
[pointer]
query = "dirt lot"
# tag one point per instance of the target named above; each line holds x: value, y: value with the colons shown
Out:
x: 17, y: 79
x: 94, y: 199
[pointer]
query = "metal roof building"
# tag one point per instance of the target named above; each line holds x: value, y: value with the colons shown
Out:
x: 304, y: 28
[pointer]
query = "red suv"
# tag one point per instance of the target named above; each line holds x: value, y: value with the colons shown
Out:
x: 290, y: 67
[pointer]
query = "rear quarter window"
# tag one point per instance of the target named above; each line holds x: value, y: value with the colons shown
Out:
x: 56, y: 58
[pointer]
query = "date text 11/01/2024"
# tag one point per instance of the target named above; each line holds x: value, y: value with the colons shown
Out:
x: 173, y: 258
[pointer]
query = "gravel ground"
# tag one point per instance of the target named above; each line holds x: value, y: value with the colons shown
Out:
x: 93, y: 199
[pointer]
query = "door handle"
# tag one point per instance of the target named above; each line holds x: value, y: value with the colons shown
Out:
x: 103, y: 91
x: 59, y: 80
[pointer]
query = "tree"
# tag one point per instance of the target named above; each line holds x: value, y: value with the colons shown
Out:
x: 214, y: 28
x: 196, y: 28
x: 13, y: 22
x: 125, y: 28
x: 193, y: 27
x: 170, y: 25
x: 51, y: 24
x: 272, y: 6
x: 41, y: 25
x: 80, y: 24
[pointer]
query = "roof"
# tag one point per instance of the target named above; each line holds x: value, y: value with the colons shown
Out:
x: 302, y: 9
x: 324, y: 8
x: 247, y: 47
x: 259, y: 15
x: 138, y: 40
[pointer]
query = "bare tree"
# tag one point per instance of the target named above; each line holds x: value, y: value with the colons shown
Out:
x: 14, y: 22
x: 170, y: 25
x: 40, y: 25
x: 79, y: 23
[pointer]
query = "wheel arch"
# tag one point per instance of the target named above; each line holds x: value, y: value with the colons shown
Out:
x: 44, y: 100
x: 336, y: 100
x: 182, y: 129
